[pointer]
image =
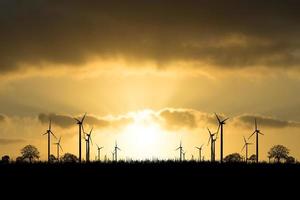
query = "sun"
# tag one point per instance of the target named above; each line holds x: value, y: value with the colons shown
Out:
x: 143, y: 135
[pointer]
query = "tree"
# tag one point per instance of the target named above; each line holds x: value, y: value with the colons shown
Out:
x: 252, y: 158
x: 234, y: 157
x: 19, y: 159
x: 69, y: 158
x: 52, y: 158
x: 290, y: 159
x: 5, y: 159
x: 30, y: 152
x: 279, y: 152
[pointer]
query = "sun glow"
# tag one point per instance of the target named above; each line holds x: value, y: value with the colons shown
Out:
x: 144, y: 135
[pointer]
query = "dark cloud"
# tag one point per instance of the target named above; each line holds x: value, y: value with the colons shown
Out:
x: 232, y: 33
x: 2, y: 118
x: 174, y: 119
x: 65, y: 121
x: 4, y: 141
x: 263, y: 121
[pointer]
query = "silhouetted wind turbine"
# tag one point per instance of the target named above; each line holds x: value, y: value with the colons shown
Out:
x: 180, y: 148
x: 113, y: 155
x: 116, y: 151
x: 257, y: 132
x: 99, y: 149
x: 246, y: 146
x: 88, y: 141
x: 58, y: 147
x: 221, y: 124
x: 80, y: 123
x: 49, y: 133
x: 212, y: 141
x: 200, y: 151
x: 183, y: 155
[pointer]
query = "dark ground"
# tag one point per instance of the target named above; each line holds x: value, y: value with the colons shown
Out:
x: 149, y: 176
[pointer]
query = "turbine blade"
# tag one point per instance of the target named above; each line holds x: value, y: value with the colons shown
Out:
x: 45, y: 133
x: 261, y: 133
x: 209, y: 140
x: 244, y: 147
x: 218, y: 118
x: 255, y: 123
x: 225, y: 119
x: 61, y: 148
x: 76, y: 119
x: 83, y: 118
x: 209, y: 131
x: 252, y: 134
x: 245, y: 140
x: 53, y: 134
x: 91, y: 140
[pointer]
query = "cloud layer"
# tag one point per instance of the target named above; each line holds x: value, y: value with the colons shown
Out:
x: 171, y: 119
x: 227, y: 34
x: 66, y: 121
x: 6, y: 141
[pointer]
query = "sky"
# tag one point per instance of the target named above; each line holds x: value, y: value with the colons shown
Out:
x: 149, y: 74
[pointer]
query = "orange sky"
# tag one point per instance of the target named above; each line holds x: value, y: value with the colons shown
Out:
x: 149, y: 75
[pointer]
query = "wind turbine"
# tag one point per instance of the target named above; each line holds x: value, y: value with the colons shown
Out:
x: 212, y: 141
x: 116, y: 151
x: 221, y: 124
x: 58, y: 147
x: 246, y: 146
x: 113, y: 155
x: 99, y: 149
x: 183, y: 155
x: 257, y: 132
x: 180, y: 148
x: 200, y: 151
x: 49, y: 133
x: 88, y: 139
x: 80, y: 123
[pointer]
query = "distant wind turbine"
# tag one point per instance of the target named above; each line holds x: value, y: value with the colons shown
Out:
x: 99, y: 149
x: 58, y: 147
x: 221, y: 124
x: 80, y: 123
x: 88, y: 140
x: 246, y: 146
x: 116, y: 151
x: 200, y: 151
x: 257, y: 132
x: 212, y: 140
x: 49, y: 133
x: 180, y: 148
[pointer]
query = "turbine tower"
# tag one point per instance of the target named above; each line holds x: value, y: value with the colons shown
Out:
x: 116, y: 151
x: 49, y: 133
x: 88, y: 140
x: 221, y: 124
x: 180, y: 148
x: 200, y: 151
x: 80, y: 123
x: 246, y: 146
x: 99, y: 149
x: 212, y: 140
x: 183, y: 155
x: 113, y: 155
x: 58, y: 147
x: 257, y: 132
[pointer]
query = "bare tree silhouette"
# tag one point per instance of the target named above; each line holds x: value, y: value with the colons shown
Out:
x: 30, y: 152
x: 279, y: 152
